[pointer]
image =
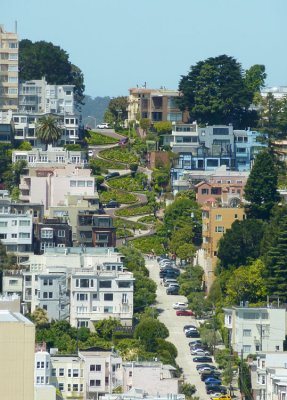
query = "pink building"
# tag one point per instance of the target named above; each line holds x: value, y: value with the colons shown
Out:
x: 50, y: 186
x: 224, y: 193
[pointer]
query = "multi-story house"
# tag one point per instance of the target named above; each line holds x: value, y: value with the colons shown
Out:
x: 52, y: 157
x: 247, y: 145
x: 8, y: 70
x: 52, y: 233
x: 255, y: 329
x: 154, y: 378
x: 12, y: 282
x: 154, y: 104
x: 10, y: 302
x: 17, y: 342
x: 103, y: 231
x: 99, y: 293
x: 215, y: 221
x: 50, y: 186
x: 16, y: 232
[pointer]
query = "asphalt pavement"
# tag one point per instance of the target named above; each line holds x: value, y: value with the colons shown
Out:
x: 175, y: 326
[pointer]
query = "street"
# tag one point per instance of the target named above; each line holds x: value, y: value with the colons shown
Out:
x: 175, y: 326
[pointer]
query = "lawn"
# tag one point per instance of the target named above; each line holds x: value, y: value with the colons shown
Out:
x: 133, y: 211
x: 129, y: 183
x: 119, y: 154
x: 118, y: 195
x: 96, y: 138
x: 148, y: 219
x: 122, y: 223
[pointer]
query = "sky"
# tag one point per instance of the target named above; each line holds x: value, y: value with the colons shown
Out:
x: 119, y: 44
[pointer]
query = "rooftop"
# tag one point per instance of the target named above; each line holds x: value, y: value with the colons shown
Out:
x: 8, y: 316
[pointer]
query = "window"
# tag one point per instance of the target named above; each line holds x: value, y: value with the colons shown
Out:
x: 263, y: 379
x: 45, y: 295
x: 246, y: 349
x: 48, y: 282
x: 130, y: 373
x: 108, y: 310
x: 277, y: 348
x: 61, y: 387
x: 14, y: 222
x: 220, y: 131
x: 24, y: 235
x: 47, y: 233
x: 81, y: 184
x: 204, y: 191
x: 98, y: 367
x: 89, y: 183
x: 124, y: 298
x: 53, y: 371
x: 3, y: 224
x: 61, y: 233
x: 69, y: 373
x: 13, y: 45
x: 73, y: 183
x: 108, y: 296
x: 95, y: 296
x: 75, y: 387
x: 84, y: 283
x: 124, y: 284
x: 3, y: 236
x: 92, y: 367
x: 212, y: 163
x: 98, y: 382
x: 219, y: 229
x: 246, y: 332
x: 218, y: 217
x: 50, y: 295
x: 105, y: 284
x: 92, y: 382
x: 38, y: 379
x: 82, y: 296
x: 75, y: 373
x: 14, y: 235
x: 61, y: 372
x: 69, y: 387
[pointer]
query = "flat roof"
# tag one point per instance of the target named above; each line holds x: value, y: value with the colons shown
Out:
x: 8, y: 316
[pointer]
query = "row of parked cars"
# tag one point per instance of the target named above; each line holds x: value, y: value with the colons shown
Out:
x: 209, y: 374
x: 169, y: 274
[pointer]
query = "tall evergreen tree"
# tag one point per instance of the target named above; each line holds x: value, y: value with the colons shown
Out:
x: 261, y: 187
x: 276, y: 264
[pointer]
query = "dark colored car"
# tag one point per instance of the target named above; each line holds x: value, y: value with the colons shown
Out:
x: 186, y: 313
x: 113, y: 204
x: 202, y: 359
x: 212, y: 381
x: 215, y: 389
x: 172, y: 290
x: 192, y: 334
x: 112, y: 175
x: 211, y: 374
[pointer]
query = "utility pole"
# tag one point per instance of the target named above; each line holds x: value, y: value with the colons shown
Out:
x: 241, y: 375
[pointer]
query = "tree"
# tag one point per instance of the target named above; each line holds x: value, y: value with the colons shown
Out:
x: 148, y: 331
x: 163, y: 127
x: 133, y: 168
x: 276, y: 264
x: 145, y: 124
x: 246, y: 284
x: 45, y: 59
x: 187, y: 389
x: 48, y: 129
x: 106, y: 327
x: 261, y: 187
x: 240, y: 243
x: 12, y: 176
x: 40, y: 317
x: 255, y: 77
x: 118, y: 108
x: 215, y: 92
x: 25, y: 146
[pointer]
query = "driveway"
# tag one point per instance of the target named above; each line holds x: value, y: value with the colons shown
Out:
x: 175, y: 326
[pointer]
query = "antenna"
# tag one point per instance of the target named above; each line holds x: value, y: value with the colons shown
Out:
x: 16, y: 26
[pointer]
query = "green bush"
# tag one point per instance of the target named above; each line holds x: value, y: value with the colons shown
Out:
x: 133, y: 211
x: 131, y: 184
x: 102, y: 166
x: 96, y: 138
x: 147, y: 244
x: 120, y: 196
x: 148, y: 219
x: 121, y: 223
x: 119, y: 154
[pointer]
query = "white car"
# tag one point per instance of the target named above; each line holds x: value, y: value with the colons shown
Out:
x: 103, y: 125
x: 179, y: 306
x: 200, y: 352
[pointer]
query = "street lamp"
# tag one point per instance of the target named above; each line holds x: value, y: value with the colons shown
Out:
x: 90, y: 116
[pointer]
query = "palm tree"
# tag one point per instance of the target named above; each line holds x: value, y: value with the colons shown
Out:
x: 48, y: 129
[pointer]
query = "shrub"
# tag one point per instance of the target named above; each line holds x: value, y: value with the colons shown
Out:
x: 133, y: 211
x: 129, y: 183
x: 148, y: 219
x: 99, y: 166
x: 147, y: 244
x: 96, y: 138
x: 119, y: 154
x: 117, y: 195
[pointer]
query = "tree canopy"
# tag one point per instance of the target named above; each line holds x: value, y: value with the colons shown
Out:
x: 217, y: 91
x: 48, y: 129
x: 261, y: 187
x: 44, y: 59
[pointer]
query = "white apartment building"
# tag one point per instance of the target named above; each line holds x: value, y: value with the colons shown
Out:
x: 255, y: 329
x: 50, y: 186
x: 137, y: 394
x: 154, y: 378
x: 12, y: 282
x: 52, y: 157
x: 16, y: 232
x: 8, y: 70
x: 98, y: 286
x: 269, y: 376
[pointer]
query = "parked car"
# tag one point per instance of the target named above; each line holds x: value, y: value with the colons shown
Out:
x: 212, y: 381
x: 123, y: 141
x: 202, y: 359
x: 190, y: 328
x: 90, y: 153
x: 112, y: 175
x: 113, y: 204
x: 206, y: 370
x: 168, y: 281
x: 211, y: 374
x: 186, y: 327
x: 215, y: 389
x: 199, y: 352
x: 192, y: 334
x: 103, y: 125
x: 215, y: 395
x: 221, y: 397
x: 172, y: 290
x: 187, y: 313
x: 179, y: 306
x: 201, y: 366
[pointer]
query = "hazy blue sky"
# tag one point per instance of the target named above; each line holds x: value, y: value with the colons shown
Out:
x: 119, y: 44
